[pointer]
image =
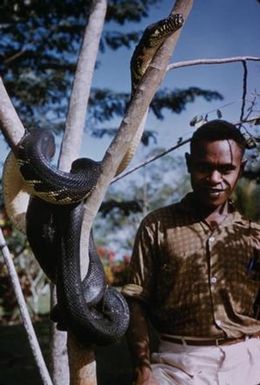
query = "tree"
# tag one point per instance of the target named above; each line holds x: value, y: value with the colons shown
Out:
x: 38, y: 55
x: 134, y: 115
x: 118, y: 148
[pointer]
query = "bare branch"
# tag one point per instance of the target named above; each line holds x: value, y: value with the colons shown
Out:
x: 10, y: 123
x: 189, y: 63
x: 81, y: 87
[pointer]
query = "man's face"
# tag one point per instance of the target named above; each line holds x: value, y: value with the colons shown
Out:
x: 215, y: 168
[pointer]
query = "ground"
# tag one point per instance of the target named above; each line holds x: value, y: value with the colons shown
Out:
x: 17, y: 364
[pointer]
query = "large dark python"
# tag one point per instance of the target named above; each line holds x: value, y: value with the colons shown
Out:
x: 94, y: 312
x: 152, y: 38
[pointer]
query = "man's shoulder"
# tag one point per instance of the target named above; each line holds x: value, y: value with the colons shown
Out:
x: 242, y: 220
x: 170, y: 213
x: 255, y: 226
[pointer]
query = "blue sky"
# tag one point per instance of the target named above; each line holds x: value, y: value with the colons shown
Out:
x: 214, y: 29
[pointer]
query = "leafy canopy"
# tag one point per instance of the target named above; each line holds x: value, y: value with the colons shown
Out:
x: 39, y: 46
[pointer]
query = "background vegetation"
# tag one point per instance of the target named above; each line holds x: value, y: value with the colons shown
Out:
x: 38, y: 54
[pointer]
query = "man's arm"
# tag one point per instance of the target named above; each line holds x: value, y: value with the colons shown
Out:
x: 139, y: 344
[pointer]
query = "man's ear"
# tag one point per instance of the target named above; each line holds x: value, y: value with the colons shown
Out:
x: 242, y: 166
x: 188, y: 161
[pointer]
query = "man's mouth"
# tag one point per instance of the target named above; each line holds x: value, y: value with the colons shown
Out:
x: 214, y: 192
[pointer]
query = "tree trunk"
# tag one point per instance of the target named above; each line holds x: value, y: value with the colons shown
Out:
x: 114, y: 155
x: 81, y: 360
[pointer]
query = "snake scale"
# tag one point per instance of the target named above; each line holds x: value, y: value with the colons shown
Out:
x: 94, y: 312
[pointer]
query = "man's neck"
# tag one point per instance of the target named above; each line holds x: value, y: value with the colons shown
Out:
x: 213, y: 216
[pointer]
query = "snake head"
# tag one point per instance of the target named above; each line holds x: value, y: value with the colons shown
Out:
x: 177, y: 20
x: 83, y: 164
x: 88, y: 168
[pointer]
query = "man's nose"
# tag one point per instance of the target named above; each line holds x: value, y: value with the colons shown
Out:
x: 215, y: 177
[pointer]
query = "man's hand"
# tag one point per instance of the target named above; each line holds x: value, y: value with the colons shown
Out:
x: 139, y: 344
x: 144, y: 376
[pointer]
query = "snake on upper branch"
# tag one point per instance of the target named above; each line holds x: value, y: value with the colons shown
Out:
x: 94, y: 312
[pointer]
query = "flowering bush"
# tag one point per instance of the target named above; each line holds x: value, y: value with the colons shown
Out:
x: 8, y: 302
x: 32, y: 279
x: 116, y: 270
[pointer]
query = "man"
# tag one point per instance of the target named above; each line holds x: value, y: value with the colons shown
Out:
x: 190, y: 276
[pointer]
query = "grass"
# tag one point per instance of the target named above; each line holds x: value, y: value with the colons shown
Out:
x: 17, y: 364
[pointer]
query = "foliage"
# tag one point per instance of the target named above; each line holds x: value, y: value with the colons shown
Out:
x: 38, y: 53
x: 157, y: 184
x: 176, y: 100
x: 246, y: 198
x: 105, y: 105
x: 147, y: 136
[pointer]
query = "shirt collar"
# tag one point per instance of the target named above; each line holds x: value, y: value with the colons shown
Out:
x: 186, y: 204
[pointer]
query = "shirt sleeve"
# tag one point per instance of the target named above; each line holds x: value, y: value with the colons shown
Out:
x: 140, y: 282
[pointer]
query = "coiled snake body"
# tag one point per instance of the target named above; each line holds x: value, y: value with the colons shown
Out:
x: 47, y: 182
x: 94, y: 312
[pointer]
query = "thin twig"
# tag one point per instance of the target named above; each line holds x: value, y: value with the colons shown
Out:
x: 251, y: 107
x: 244, y: 90
x: 189, y: 63
x: 14, y: 57
x: 27, y: 323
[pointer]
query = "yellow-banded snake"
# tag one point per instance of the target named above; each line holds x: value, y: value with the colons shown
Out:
x: 94, y: 312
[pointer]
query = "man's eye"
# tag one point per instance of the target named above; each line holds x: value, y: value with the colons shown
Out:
x: 202, y: 168
x: 226, y: 170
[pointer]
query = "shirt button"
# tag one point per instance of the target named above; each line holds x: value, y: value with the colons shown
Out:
x: 213, y: 280
x: 218, y: 322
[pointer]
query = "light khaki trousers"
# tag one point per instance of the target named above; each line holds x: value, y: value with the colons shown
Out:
x: 237, y: 364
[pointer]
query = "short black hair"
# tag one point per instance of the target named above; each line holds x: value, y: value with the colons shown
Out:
x: 218, y: 130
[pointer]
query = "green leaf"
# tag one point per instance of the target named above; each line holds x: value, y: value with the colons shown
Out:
x: 197, y: 119
x: 219, y: 114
